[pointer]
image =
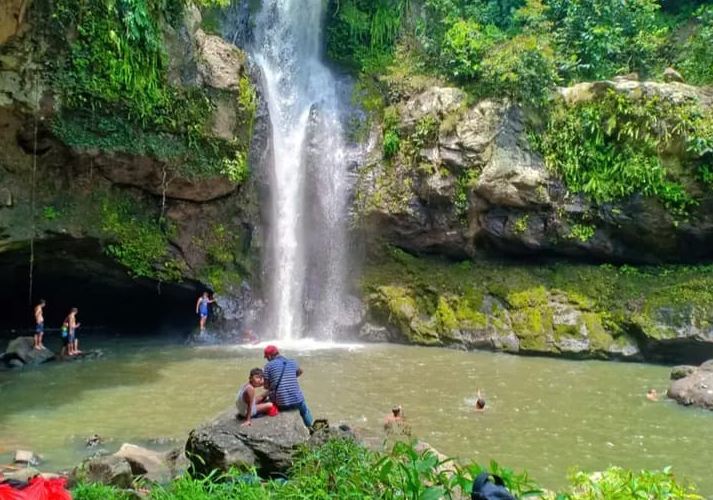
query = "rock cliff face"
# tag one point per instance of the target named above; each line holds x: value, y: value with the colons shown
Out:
x: 467, y: 181
x: 468, y: 184
x: 204, y: 227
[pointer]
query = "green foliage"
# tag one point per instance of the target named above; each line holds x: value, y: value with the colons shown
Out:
x: 521, y: 224
x: 227, y: 259
x: 582, y: 232
x: 111, y: 77
x: 610, y: 148
x: 465, y: 45
x: 247, y: 103
x: 465, y: 182
x: 138, y: 241
x: 98, y: 491
x: 50, y: 213
x: 391, y: 138
x: 522, y: 68
x: 362, y: 34
x: 697, y: 61
x: 236, y: 168
x: 616, y: 482
x: 601, y: 38
x: 345, y: 469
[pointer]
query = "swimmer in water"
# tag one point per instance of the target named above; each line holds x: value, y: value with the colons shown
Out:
x: 652, y: 395
x: 479, y: 403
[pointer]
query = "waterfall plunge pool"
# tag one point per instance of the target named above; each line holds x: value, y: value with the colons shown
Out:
x: 544, y: 415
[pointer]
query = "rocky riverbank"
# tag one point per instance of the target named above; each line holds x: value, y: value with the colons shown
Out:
x: 544, y: 308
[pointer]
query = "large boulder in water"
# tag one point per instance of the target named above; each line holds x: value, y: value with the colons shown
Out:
x: 111, y: 470
x: 696, y: 389
x: 268, y: 444
x: 22, y: 348
x: 152, y: 465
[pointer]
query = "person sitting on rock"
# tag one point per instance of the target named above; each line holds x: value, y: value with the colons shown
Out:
x: 281, y: 380
x: 39, y: 325
x: 248, y: 402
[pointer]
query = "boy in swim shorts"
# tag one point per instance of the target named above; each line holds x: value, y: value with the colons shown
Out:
x: 39, y: 325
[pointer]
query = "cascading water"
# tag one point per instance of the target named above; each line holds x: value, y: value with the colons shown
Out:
x: 310, y: 181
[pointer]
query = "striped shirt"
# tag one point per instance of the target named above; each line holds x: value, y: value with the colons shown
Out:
x: 288, y: 390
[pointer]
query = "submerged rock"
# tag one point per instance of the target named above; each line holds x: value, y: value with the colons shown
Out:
x: 268, y: 444
x: 695, y: 389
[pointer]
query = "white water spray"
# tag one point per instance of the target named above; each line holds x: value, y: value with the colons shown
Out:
x: 310, y: 186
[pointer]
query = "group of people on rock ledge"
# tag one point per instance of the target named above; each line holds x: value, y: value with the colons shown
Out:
x: 70, y: 344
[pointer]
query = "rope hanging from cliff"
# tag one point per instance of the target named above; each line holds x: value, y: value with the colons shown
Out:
x: 35, y: 133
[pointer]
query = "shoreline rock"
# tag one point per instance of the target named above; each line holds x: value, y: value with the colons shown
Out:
x: 269, y: 444
x: 694, y: 389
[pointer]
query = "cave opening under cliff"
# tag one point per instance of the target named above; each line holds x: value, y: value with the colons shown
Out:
x: 72, y: 272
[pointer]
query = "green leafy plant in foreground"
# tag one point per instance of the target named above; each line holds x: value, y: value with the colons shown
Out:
x: 344, y: 469
x: 616, y: 482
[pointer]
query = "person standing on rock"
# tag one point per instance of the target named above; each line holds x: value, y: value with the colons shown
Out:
x: 202, y: 309
x: 69, y: 332
x: 281, y: 380
x: 39, y: 325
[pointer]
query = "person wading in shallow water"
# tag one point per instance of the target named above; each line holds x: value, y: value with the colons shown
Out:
x: 202, y: 309
x: 281, y: 380
x: 39, y: 325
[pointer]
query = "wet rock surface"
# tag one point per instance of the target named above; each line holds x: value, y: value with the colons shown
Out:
x: 268, y: 444
x: 149, y: 464
x: 468, y: 183
x: 22, y: 349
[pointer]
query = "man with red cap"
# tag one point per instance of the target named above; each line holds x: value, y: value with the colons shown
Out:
x: 281, y: 380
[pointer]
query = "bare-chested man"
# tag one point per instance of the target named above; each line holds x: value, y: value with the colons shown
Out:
x: 69, y: 337
x: 39, y: 325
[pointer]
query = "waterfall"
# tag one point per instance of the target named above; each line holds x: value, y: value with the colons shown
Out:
x: 310, y: 188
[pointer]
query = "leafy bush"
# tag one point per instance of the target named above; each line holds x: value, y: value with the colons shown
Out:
x: 609, y: 148
x: 616, y: 482
x: 464, y: 46
x: 601, y: 38
x: 362, y: 34
x: 523, y: 68
x: 697, y: 63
